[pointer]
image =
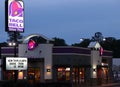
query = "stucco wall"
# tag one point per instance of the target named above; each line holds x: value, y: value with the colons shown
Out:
x: 41, y: 51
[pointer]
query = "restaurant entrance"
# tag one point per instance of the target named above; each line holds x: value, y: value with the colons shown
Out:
x: 33, y: 74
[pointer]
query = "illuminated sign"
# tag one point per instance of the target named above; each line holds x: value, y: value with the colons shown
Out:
x: 101, y: 51
x: 16, y: 63
x: 15, y: 13
x: 31, y: 44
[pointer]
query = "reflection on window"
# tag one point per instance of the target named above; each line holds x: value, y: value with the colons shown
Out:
x: 34, y: 74
x: 63, y: 74
x: 78, y: 75
x: 9, y: 75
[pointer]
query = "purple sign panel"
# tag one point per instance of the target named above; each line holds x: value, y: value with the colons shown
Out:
x: 15, y: 15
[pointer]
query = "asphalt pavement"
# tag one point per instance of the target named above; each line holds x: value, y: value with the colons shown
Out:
x: 108, y: 85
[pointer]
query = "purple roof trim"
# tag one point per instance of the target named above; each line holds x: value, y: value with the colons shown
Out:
x: 107, y: 53
x: 8, y: 50
x: 60, y: 50
x: 71, y: 50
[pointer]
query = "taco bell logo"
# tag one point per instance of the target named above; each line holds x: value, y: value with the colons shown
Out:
x: 15, y: 15
x: 15, y: 9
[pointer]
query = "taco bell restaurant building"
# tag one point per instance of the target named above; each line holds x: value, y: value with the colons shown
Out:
x: 60, y: 63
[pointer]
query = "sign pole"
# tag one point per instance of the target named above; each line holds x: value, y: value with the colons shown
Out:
x: 14, y: 22
x: 15, y: 55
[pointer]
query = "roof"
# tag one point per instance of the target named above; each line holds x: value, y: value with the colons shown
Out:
x: 33, y: 35
x: 94, y: 45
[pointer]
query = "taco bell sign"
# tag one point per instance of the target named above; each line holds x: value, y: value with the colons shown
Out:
x: 15, y: 11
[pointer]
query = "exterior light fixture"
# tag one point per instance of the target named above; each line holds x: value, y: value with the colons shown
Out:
x: 81, y: 39
x: 94, y: 69
x: 67, y: 69
x: 48, y: 70
x: 104, y: 39
x: 11, y: 43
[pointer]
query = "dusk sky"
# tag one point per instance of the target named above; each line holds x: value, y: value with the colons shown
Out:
x: 68, y: 19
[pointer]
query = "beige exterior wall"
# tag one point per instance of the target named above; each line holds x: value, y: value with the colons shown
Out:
x: 95, y: 60
x: 41, y: 51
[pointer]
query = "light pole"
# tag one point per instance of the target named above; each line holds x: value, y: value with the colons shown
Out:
x: 14, y: 44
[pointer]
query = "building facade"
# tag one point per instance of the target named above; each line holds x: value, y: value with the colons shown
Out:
x: 116, y: 69
x: 59, y: 64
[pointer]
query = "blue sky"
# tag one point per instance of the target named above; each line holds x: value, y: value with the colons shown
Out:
x: 69, y: 19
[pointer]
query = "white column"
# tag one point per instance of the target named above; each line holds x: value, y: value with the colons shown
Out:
x: 48, y: 61
x: 95, y: 60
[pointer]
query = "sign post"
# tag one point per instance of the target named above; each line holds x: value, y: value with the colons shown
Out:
x: 14, y: 21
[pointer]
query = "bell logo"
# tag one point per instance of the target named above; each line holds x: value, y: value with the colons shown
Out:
x: 101, y: 51
x: 15, y: 9
x: 32, y: 44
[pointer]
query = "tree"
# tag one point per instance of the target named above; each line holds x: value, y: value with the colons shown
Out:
x: 84, y: 43
x: 109, y: 43
x: 12, y: 36
x: 116, y: 51
x: 97, y: 37
x: 56, y: 42
x: 3, y: 44
x: 113, y: 45
x: 39, y: 39
x: 59, y: 42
